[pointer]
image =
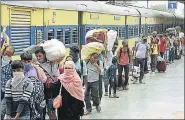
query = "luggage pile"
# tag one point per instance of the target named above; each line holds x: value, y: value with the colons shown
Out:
x: 98, y: 40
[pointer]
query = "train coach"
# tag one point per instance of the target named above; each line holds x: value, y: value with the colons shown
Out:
x: 29, y: 22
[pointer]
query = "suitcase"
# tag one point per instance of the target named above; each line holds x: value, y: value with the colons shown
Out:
x: 161, y: 66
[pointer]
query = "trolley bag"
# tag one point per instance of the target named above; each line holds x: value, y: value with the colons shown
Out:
x: 161, y: 66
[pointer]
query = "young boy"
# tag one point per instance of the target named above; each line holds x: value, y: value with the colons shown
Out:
x: 112, y: 78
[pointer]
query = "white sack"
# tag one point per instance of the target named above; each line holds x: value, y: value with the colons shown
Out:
x: 111, y: 35
x: 54, y: 49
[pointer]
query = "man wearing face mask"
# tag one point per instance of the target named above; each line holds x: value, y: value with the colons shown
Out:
x: 34, y: 73
x: 80, y: 65
x: 6, y: 74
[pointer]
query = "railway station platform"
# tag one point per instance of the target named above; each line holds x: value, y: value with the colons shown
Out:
x: 161, y: 97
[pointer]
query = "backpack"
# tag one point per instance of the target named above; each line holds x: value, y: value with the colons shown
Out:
x: 80, y: 72
x: 37, y: 98
x: 128, y: 52
x: 175, y: 43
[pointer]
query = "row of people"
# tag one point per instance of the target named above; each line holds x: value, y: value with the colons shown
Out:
x: 20, y: 79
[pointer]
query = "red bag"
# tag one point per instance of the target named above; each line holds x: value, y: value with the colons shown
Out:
x: 161, y: 66
x: 97, y: 37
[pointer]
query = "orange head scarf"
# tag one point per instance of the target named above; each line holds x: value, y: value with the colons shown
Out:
x: 71, y: 81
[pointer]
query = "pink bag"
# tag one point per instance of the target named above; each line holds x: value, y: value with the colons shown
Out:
x: 57, y: 102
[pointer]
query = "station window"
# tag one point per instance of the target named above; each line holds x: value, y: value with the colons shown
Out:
x: 121, y: 32
x: 87, y: 29
x: 152, y: 29
x: 148, y: 31
x: 75, y: 35
x: 136, y: 31
x: 50, y: 34
x: 60, y: 34
x: 130, y: 31
x: 67, y: 36
x: 142, y: 30
x: 38, y: 36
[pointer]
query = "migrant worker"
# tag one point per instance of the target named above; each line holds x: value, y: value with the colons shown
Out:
x: 154, y: 46
x: 92, y: 86
x: 17, y: 94
x: 162, y: 47
x: 72, y: 94
x: 80, y: 65
x: 182, y: 38
x: 37, y: 77
x: 6, y: 74
x: 52, y: 85
x: 172, y: 49
x: 107, y: 64
x: 112, y: 78
x: 124, y: 59
x: 141, y: 53
x: 31, y: 70
x: 167, y: 48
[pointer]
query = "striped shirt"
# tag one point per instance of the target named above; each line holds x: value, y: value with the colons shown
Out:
x: 21, y: 93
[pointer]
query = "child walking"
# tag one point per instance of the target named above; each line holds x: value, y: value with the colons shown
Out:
x: 112, y: 78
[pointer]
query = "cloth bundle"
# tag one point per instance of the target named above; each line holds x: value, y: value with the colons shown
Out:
x: 54, y: 49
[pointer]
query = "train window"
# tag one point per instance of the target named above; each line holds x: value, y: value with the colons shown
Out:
x: 130, y: 32
x: 87, y: 29
x: 60, y: 34
x: 120, y: 32
x: 152, y: 29
x: 75, y: 36
x: 67, y: 36
x: 38, y: 36
x: 142, y: 30
x: 148, y: 31
x: 117, y: 29
x: 135, y: 31
x: 50, y: 34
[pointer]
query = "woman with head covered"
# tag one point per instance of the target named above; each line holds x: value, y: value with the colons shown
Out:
x: 72, y: 94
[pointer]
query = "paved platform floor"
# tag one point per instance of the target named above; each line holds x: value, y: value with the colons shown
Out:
x: 162, y: 97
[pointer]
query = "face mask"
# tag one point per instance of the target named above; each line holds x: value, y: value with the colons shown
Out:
x: 27, y: 67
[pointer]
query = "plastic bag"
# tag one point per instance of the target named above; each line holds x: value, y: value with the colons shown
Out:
x: 54, y: 49
x: 90, y: 48
x: 111, y: 35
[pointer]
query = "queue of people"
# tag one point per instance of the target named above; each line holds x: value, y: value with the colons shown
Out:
x: 30, y: 86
